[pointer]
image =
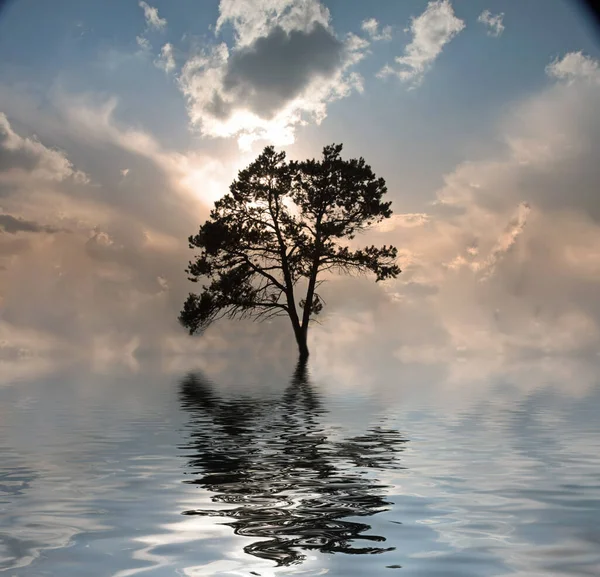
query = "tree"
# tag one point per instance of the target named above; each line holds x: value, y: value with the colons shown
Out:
x: 281, y: 226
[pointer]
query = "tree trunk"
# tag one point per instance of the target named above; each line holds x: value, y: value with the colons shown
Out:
x: 310, y: 293
x: 302, y: 342
x: 289, y: 292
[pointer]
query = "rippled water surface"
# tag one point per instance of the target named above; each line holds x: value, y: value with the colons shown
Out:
x: 121, y: 473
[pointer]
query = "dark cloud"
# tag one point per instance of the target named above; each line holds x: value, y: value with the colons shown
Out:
x: 12, y: 225
x: 276, y: 68
x: 218, y: 107
x: 283, y: 68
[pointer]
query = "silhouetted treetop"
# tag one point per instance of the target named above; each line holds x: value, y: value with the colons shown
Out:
x: 283, y: 223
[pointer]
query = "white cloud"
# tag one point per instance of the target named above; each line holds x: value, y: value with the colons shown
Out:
x: 371, y: 27
x: 493, y: 22
x: 153, y: 20
x: 143, y: 43
x: 285, y: 66
x: 574, y: 66
x: 253, y: 19
x: 166, y: 59
x: 431, y: 31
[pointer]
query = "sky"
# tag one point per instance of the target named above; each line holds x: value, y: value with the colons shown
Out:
x: 121, y: 122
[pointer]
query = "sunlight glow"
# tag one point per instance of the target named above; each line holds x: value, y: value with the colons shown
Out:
x: 209, y: 181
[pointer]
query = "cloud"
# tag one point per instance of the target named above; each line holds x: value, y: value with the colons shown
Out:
x: 252, y: 20
x: 431, y: 31
x: 12, y: 225
x: 574, y: 66
x: 516, y: 265
x: 12, y: 247
x: 127, y: 248
x: 87, y: 124
x: 278, y: 67
x: 505, y: 242
x: 285, y: 66
x: 166, y: 59
x: 501, y: 273
x: 28, y: 155
x: 371, y: 27
x: 153, y: 20
x: 493, y: 22
x: 503, y: 269
x: 168, y: 189
x: 143, y: 43
x: 407, y: 220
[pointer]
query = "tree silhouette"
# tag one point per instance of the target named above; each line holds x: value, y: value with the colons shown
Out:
x: 281, y: 226
x: 287, y: 483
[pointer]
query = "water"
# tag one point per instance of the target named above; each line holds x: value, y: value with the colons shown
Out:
x: 188, y: 473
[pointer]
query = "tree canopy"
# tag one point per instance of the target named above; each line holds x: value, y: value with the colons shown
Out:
x: 266, y: 244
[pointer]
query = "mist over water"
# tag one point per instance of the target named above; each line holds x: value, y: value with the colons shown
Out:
x: 294, y: 471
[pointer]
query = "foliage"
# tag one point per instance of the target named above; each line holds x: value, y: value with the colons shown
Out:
x: 285, y: 223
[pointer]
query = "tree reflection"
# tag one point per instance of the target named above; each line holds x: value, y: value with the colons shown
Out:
x: 286, y: 479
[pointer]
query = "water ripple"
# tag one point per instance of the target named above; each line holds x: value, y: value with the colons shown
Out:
x: 185, y: 477
x: 296, y: 489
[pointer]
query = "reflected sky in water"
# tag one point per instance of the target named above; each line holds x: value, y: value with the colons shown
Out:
x: 290, y: 472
